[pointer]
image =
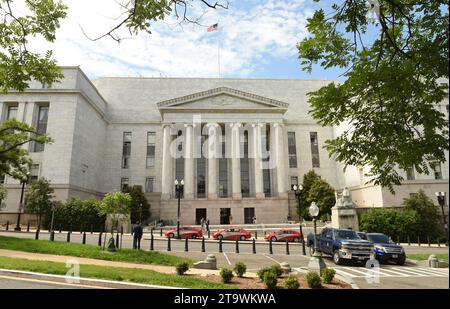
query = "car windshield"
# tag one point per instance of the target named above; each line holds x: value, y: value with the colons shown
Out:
x: 344, y: 234
x: 378, y: 238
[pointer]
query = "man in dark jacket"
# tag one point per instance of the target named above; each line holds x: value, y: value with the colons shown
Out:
x: 137, y: 235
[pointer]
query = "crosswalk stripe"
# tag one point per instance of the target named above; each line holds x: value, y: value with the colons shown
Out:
x: 341, y: 272
x: 366, y: 272
x: 412, y: 272
x: 396, y: 272
x: 436, y: 271
x: 427, y: 272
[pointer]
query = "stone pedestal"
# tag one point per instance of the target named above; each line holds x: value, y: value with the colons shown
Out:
x: 316, y: 264
x: 209, y: 263
x: 343, y: 214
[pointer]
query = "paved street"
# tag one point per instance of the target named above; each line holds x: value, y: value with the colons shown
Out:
x: 11, y: 282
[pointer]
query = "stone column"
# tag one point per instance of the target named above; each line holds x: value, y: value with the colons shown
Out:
x: 236, y: 161
x: 21, y: 111
x: 213, y: 155
x: 189, y: 179
x: 166, y: 178
x: 257, y: 159
x: 280, y: 158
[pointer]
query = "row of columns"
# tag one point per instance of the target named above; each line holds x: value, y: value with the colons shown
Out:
x: 213, y: 155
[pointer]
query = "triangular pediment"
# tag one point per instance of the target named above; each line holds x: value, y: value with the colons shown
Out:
x: 223, y: 99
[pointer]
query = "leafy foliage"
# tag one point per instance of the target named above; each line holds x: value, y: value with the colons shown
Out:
x: 38, y: 199
x: 138, y: 198
x: 226, y: 274
x: 182, y: 268
x: 318, y: 190
x: 391, y: 86
x: 270, y: 279
x: 291, y: 283
x: 240, y: 269
x: 14, y: 159
x: 328, y: 275
x: 313, y: 280
x: 115, y: 205
x: 3, y: 195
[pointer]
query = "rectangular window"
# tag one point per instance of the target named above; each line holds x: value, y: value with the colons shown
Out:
x: 2, y: 179
x: 223, y: 167
x: 151, y: 140
x: 124, y: 184
x: 201, y: 169
x: 245, y: 167
x: 34, y: 173
x: 294, y: 181
x: 267, y: 185
x: 126, y: 150
x: 41, y: 126
x: 315, y: 149
x: 436, y: 166
x: 292, y: 150
x: 12, y: 112
x: 149, y: 184
x: 410, y: 174
x: 361, y: 175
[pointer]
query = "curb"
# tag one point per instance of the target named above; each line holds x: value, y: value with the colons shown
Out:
x: 88, y: 282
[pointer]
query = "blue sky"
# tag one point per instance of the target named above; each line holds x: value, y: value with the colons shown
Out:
x: 258, y: 40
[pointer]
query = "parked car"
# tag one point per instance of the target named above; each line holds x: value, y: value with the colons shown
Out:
x: 284, y: 235
x: 185, y: 232
x: 384, y: 249
x: 342, y: 245
x: 232, y: 233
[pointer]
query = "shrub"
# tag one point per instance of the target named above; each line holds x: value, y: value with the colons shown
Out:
x: 328, y: 275
x: 313, y: 280
x: 240, y: 269
x: 182, y: 268
x: 260, y: 273
x: 270, y: 279
x: 226, y: 274
x: 291, y: 283
x: 277, y: 270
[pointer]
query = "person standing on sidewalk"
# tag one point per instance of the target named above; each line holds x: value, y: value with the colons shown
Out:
x: 137, y: 236
x: 202, y: 224
x: 207, y: 225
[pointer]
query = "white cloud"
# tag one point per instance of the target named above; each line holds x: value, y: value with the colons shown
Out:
x: 250, y: 32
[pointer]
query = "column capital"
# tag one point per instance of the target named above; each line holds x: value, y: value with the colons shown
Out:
x: 278, y: 124
x: 186, y: 125
x: 257, y: 125
x: 169, y: 125
x: 236, y: 125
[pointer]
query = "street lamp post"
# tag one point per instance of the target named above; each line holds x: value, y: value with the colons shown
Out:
x: 441, y: 200
x: 24, y: 180
x: 178, y: 189
x: 140, y: 213
x: 297, y: 190
x: 316, y: 262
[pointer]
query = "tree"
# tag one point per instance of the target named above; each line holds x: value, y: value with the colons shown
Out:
x: 3, y: 195
x: 429, y: 218
x: 14, y: 160
x: 303, y: 202
x: 19, y: 65
x: 390, y: 89
x: 138, y: 213
x: 38, y: 199
x: 323, y: 194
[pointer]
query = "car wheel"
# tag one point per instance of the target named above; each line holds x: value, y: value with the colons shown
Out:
x: 296, y: 239
x: 401, y: 261
x: 171, y: 235
x: 194, y: 236
x: 242, y: 237
x: 220, y: 237
x: 273, y: 238
x: 337, y: 258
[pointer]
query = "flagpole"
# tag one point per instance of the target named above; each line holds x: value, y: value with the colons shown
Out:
x: 218, y: 48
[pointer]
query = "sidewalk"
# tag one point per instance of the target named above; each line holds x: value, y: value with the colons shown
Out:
x: 87, y: 261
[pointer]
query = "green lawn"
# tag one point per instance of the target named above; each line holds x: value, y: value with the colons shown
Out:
x: 112, y: 273
x: 424, y: 256
x: 89, y: 251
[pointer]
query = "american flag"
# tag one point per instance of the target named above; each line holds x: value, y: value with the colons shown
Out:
x: 214, y: 27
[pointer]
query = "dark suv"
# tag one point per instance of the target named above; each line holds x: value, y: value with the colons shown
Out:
x: 384, y: 248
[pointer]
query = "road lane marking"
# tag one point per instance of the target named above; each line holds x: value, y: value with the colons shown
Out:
x: 52, y: 282
x: 411, y: 272
x: 436, y: 271
x: 270, y: 258
x: 344, y: 273
x: 395, y: 272
x: 228, y: 260
x: 426, y: 272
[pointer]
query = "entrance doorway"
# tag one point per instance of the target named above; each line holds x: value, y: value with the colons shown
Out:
x: 225, y: 214
x: 199, y: 214
x: 249, y: 213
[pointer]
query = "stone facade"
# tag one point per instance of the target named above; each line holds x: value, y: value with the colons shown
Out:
x: 88, y: 119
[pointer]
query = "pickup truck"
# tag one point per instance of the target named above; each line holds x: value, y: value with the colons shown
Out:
x: 342, y: 245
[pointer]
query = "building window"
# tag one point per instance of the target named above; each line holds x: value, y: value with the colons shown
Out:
x: 436, y: 166
x: 245, y: 167
x: 294, y: 181
x: 151, y: 140
x: 179, y: 162
x: 41, y: 126
x: 410, y: 174
x: 124, y: 182
x: 149, y: 184
x: 12, y: 112
x: 126, y: 150
x: 223, y: 166
x: 267, y: 185
x: 314, y: 149
x: 361, y: 175
x: 34, y: 173
x: 201, y: 168
x: 292, y: 150
x: 2, y: 179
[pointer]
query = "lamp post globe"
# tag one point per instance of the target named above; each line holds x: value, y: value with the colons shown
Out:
x: 297, y: 191
x: 316, y: 262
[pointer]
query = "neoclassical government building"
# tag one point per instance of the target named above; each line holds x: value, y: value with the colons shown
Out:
x: 238, y: 145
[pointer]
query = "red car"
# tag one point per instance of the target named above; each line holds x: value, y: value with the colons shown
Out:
x: 232, y: 233
x: 284, y: 235
x: 185, y: 232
